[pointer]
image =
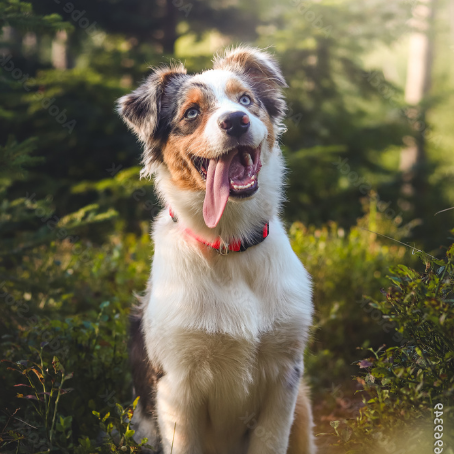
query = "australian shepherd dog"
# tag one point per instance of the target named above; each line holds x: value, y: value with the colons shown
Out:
x: 217, y: 344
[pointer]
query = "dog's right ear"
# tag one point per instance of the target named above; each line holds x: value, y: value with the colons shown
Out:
x: 141, y: 110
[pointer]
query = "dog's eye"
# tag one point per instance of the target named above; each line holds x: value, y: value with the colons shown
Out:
x: 245, y: 100
x: 191, y: 113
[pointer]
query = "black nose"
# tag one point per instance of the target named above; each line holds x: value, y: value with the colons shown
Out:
x: 234, y: 123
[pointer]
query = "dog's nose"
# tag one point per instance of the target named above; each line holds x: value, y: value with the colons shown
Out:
x: 234, y: 123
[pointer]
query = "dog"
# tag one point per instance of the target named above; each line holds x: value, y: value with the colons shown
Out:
x: 217, y: 345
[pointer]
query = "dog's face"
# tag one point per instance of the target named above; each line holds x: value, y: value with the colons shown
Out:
x: 212, y: 130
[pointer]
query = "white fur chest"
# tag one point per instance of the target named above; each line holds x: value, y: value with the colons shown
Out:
x: 224, y: 328
x: 243, y: 296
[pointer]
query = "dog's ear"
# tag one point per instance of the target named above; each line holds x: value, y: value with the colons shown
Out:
x: 263, y: 72
x: 141, y: 110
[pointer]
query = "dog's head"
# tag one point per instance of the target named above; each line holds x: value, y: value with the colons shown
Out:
x: 211, y: 133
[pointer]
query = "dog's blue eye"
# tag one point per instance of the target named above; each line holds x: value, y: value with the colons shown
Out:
x: 245, y: 100
x: 191, y: 113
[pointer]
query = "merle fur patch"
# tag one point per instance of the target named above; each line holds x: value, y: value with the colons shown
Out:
x: 145, y: 375
x: 142, y: 110
x: 294, y: 376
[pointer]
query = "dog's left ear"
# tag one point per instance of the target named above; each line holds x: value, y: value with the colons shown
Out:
x: 141, y: 111
x: 263, y: 72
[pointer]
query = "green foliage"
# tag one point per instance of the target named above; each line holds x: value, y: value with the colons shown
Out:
x: 13, y: 213
x: 15, y: 156
x: 322, y: 47
x: 92, y: 343
x: 337, y: 113
x: 16, y: 13
x: 345, y: 266
x: 410, y: 384
x: 46, y: 389
x: 47, y: 269
x: 117, y: 430
x: 92, y: 346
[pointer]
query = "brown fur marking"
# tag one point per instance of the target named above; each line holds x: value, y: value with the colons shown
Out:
x: 177, y: 156
x: 301, y: 439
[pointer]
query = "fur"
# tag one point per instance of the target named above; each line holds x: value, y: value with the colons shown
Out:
x: 217, y: 346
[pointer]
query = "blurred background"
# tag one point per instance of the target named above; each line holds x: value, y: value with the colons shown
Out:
x: 369, y: 149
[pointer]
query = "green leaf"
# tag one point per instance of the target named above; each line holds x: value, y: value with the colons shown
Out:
x: 334, y: 425
x: 104, y: 305
x: 129, y: 433
x: 57, y: 365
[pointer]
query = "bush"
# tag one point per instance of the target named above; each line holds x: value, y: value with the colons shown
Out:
x: 408, y: 389
x: 61, y: 412
x: 345, y: 266
x: 68, y: 315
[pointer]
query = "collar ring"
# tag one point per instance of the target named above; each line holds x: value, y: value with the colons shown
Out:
x: 223, y: 248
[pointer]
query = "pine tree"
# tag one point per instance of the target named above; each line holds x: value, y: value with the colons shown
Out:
x: 28, y: 223
x: 344, y: 115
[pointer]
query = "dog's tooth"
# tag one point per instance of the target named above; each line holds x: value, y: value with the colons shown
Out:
x: 248, y: 159
x: 240, y: 187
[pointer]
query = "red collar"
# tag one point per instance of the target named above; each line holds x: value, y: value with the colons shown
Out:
x: 235, y: 245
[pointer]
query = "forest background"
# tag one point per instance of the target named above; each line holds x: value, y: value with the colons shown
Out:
x: 369, y: 148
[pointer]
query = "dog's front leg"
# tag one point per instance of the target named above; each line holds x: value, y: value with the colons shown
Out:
x: 270, y: 432
x: 178, y: 417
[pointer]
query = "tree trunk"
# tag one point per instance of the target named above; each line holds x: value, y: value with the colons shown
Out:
x: 30, y: 44
x: 451, y: 21
x: 170, y: 28
x: 60, y: 50
x: 12, y: 39
x: 420, y: 57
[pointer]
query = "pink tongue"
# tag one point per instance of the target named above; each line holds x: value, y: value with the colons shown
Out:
x: 217, y: 189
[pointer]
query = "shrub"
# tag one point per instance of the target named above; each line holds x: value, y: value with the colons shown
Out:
x: 78, y: 321
x: 345, y: 266
x: 408, y: 389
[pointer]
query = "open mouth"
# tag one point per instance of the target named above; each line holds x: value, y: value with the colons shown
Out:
x: 233, y: 174
x: 243, y: 171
